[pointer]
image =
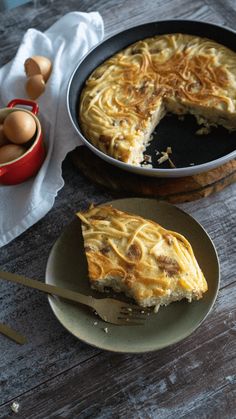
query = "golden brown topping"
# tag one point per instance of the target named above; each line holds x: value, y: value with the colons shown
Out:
x: 154, y: 50
x: 168, y: 238
x: 97, y: 217
x: 134, y: 252
x: 167, y: 264
x: 136, y: 50
x: 130, y: 279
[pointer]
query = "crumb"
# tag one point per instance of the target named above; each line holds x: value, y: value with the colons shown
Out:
x: 147, y: 158
x: 15, y: 407
x: 156, y: 308
x: 157, y: 152
x: 129, y: 309
x: 163, y: 158
x: 95, y: 323
x: 95, y: 313
x: 203, y: 131
x: 171, y: 163
x: 142, y: 312
x: 191, y: 164
x: 105, y: 329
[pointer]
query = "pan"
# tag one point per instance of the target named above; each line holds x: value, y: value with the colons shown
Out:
x: 191, y: 154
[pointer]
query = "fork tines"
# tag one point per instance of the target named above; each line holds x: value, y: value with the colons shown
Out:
x: 129, y: 321
x: 132, y: 313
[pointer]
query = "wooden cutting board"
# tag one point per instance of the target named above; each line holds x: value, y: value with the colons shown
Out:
x: 174, y: 190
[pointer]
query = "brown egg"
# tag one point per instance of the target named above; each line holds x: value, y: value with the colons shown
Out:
x: 3, y: 139
x: 38, y: 64
x: 11, y: 152
x: 35, y: 86
x: 19, y: 127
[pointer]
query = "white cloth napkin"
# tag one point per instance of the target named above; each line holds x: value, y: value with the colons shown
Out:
x: 64, y: 43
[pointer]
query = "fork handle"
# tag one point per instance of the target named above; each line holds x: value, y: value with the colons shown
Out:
x: 12, y: 334
x: 48, y: 289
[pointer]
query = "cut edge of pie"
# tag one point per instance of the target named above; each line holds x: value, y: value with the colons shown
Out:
x: 138, y: 257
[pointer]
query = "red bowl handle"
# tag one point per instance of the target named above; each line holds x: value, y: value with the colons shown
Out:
x: 34, y: 105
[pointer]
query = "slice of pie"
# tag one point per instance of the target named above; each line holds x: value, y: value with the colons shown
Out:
x: 136, y: 256
x: 126, y: 96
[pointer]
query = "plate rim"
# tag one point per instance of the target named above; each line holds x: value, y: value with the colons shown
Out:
x: 173, y: 341
x: 145, y: 171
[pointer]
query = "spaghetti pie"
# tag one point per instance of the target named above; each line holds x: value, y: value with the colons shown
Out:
x: 139, y: 257
x: 125, y: 97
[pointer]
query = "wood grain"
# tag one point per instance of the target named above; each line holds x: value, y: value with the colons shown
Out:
x: 55, y: 375
x: 179, y: 381
x: 183, y: 189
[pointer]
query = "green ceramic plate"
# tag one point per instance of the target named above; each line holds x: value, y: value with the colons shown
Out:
x: 67, y: 268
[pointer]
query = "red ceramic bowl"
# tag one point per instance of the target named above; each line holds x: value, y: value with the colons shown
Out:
x: 26, y: 166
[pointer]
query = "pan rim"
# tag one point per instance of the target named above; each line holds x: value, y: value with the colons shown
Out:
x: 147, y: 171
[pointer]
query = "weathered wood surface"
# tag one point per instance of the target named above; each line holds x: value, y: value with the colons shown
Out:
x: 183, y: 189
x: 55, y: 375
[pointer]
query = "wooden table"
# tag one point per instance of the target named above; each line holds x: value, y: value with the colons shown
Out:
x: 55, y: 375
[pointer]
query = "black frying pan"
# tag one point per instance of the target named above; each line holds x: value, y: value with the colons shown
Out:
x: 191, y: 153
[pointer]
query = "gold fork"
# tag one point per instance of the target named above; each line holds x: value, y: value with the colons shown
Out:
x: 109, y: 309
x: 12, y: 334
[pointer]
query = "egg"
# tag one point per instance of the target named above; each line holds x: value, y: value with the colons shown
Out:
x: 35, y: 86
x: 38, y: 64
x: 19, y: 127
x: 3, y: 139
x: 11, y: 152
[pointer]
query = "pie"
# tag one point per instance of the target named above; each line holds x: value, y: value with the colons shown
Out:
x: 130, y: 254
x: 126, y: 96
